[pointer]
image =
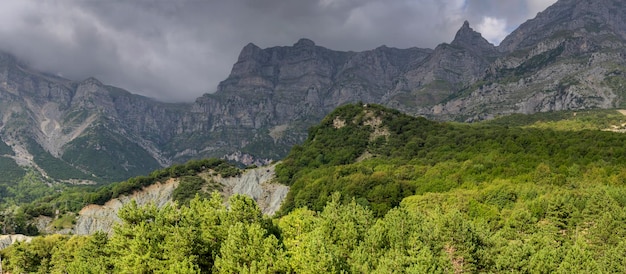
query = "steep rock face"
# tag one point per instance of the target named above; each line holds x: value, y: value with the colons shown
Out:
x: 582, y: 16
x: 474, y: 42
x: 462, y: 61
x: 48, y: 107
x: 570, y: 56
x: 257, y: 183
x: 45, y: 116
x: 446, y: 70
x: 264, y: 84
x: 291, y: 88
x: 263, y: 108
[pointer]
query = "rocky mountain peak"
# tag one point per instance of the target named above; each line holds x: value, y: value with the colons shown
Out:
x: 249, y: 51
x: 470, y: 39
x: 304, y: 42
x: 466, y: 27
x: 462, y: 61
x: 92, y: 81
x: 587, y: 18
x: 5, y: 57
x: 9, y: 61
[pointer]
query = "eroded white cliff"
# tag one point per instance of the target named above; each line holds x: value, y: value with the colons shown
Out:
x: 256, y: 183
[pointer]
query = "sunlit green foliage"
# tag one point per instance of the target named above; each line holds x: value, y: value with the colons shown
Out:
x: 381, y: 163
x: 565, y: 120
x: 28, y: 187
x: 190, y: 186
x: 33, y: 194
x: 495, y: 228
x: 390, y: 193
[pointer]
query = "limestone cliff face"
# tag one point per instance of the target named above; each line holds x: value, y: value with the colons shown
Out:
x: 278, y: 85
x: 255, y: 183
x: 446, y: 70
x: 94, y: 218
x: 571, y: 56
x: 462, y: 61
x: 7, y: 240
x: 585, y: 17
x: 47, y: 117
x: 286, y: 89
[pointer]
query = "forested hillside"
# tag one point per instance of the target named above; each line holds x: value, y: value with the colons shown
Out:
x: 377, y: 191
x: 380, y: 155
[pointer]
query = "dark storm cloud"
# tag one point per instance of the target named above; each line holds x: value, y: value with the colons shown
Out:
x: 177, y: 50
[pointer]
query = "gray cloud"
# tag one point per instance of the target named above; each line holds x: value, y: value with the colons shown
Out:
x: 177, y: 50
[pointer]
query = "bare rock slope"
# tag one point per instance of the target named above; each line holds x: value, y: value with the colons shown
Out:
x: 256, y: 183
x: 7, y: 240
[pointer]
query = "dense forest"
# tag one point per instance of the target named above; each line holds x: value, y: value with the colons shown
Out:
x: 503, y: 227
x: 377, y: 191
x: 380, y: 155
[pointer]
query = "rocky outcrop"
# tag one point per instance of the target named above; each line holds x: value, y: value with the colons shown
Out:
x: 256, y: 183
x: 94, y: 218
x: 472, y: 41
x: 7, y: 240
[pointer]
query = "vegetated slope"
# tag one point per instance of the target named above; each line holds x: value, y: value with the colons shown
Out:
x: 489, y: 228
x: 18, y: 214
x: 489, y: 198
x: 604, y: 120
x: 379, y: 156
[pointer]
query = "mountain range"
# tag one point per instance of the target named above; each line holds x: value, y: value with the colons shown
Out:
x: 569, y: 57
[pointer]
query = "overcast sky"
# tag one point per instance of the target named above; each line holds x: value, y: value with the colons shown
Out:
x: 177, y: 50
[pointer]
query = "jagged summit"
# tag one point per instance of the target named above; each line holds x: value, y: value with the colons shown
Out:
x: 250, y: 46
x: 452, y: 65
x: 583, y: 18
x: 93, y: 81
x: 570, y: 56
x: 4, y: 56
x: 465, y: 33
x: 249, y: 51
x: 304, y: 42
x: 470, y: 39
